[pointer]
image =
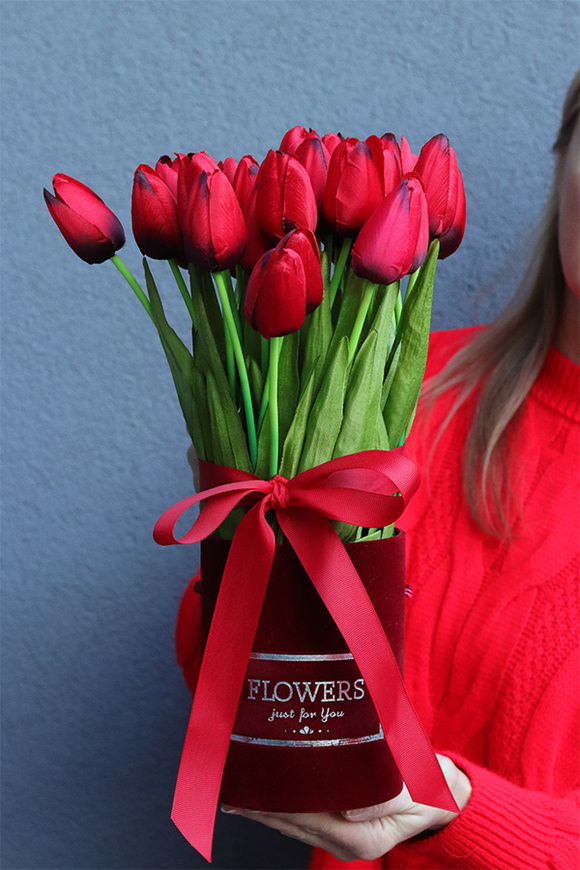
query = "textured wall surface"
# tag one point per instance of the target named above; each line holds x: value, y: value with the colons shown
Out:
x: 94, y: 709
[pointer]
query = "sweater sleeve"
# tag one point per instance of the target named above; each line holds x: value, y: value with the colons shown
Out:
x: 503, y: 826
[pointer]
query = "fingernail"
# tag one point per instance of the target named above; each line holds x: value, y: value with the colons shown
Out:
x: 229, y: 810
x: 353, y: 813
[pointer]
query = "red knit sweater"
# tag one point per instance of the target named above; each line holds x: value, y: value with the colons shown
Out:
x: 492, y: 636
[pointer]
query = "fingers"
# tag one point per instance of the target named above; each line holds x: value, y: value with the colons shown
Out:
x: 398, y: 804
x: 314, y: 829
x: 329, y: 831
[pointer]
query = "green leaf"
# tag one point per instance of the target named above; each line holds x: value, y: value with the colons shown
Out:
x: 256, y: 383
x: 318, y: 328
x: 208, y: 359
x: 325, y: 417
x: 362, y: 402
x: 294, y: 440
x: 201, y: 437
x: 288, y: 382
x: 414, y: 331
x: 348, y: 310
x: 201, y: 283
x: 325, y: 269
x: 251, y: 339
x: 178, y: 355
x: 229, y: 443
x: 263, y: 461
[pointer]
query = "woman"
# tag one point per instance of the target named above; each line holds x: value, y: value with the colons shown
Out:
x: 492, y: 625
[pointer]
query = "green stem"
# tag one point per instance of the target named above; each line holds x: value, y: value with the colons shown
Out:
x: 233, y: 301
x: 264, y: 403
x: 230, y: 324
x: 367, y: 297
x: 275, y: 348
x: 133, y: 283
x: 230, y: 362
x: 339, y: 268
x: 183, y: 289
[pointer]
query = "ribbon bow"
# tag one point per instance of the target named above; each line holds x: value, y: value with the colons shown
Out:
x: 367, y: 489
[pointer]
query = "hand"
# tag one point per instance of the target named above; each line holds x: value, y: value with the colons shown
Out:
x: 371, y: 832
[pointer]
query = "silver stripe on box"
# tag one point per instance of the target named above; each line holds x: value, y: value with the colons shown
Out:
x: 317, y: 657
x: 340, y: 741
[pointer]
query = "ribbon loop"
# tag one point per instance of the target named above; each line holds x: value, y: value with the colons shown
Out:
x: 370, y: 489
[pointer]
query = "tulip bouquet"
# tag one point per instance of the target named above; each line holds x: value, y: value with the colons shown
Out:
x: 308, y: 298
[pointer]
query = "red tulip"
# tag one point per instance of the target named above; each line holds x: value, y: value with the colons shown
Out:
x: 88, y: 225
x: 285, y: 199
x: 437, y: 166
x: 154, y: 216
x: 228, y: 167
x: 408, y: 159
x: 292, y: 139
x: 395, y: 238
x: 353, y: 188
x: 331, y: 140
x: 314, y: 157
x: 285, y: 285
x: 245, y: 179
x: 210, y: 217
x: 387, y: 158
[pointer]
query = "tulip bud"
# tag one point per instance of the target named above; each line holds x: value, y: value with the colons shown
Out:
x: 408, y: 160
x: 87, y: 224
x: 285, y: 198
x: 353, y: 188
x: 285, y: 285
x: 437, y: 166
x: 387, y: 159
x: 292, y: 140
x: 314, y: 157
x: 154, y: 216
x: 228, y: 167
x: 245, y: 179
x: 395, y: 238
x: 210, y: 217
x: 331, y: 140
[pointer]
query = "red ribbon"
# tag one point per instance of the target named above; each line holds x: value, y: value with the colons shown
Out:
x: 361, y: 489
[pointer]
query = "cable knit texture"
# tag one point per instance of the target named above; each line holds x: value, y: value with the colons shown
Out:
x: 492, y: 634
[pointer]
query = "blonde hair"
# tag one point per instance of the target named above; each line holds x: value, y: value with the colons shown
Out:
x: 504, y: 360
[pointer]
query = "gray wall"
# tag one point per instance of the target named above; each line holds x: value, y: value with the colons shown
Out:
x: 94, y: 710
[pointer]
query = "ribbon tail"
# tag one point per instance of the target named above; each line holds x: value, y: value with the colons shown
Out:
x: 221, y: 677
x: 338, y: 584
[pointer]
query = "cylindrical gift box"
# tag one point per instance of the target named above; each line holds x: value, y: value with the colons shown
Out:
x: 306, y: 736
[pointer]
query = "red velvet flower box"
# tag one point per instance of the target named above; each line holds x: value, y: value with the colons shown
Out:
x: 306, y: 737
